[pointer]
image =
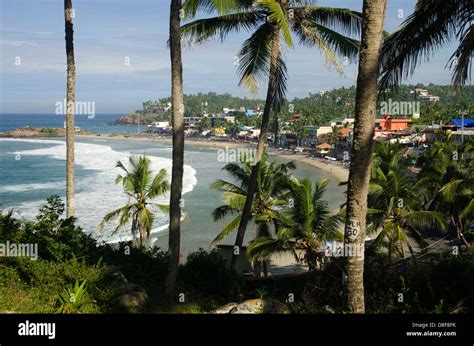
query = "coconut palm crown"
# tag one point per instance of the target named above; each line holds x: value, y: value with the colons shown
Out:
x: 141, y: 188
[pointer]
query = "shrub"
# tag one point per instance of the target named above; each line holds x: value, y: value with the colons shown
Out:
x: 58, y: 238
x: 146, y: 268
x: 204, y: 274
x: 73, y: 298
x: 32, y: 286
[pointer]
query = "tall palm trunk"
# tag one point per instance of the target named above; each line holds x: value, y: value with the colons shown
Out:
x: 70, y: 98
x: 252, y: 185
x: 143, y: 236
x: 366, y: 104
x: 178, y: 147
x: 134, y: 231
x: 276, y: 129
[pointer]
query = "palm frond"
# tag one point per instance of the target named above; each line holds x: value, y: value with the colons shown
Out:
x: 228, y: 228
x: 424, y: 218
x: 159, y: 185
x: 277, y: 15
x: 202, y: 30
x: 191, y: 7
x: 254, y: 57
x: 461, y: 60
x: 343, y: 19
x: 309, y: 36
x: 264, y: 247
x: 432, y: 25
x: 223, y: 185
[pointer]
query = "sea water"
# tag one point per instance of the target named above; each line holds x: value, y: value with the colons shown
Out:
x: 98, y: 123
x: 27, y: 179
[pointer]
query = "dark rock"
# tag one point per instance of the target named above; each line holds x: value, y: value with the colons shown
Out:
x: 130, y: 298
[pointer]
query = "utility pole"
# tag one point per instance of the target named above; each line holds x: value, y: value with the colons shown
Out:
x: 462, y: 113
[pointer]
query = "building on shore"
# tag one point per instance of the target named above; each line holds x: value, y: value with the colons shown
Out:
x: 388, y: 124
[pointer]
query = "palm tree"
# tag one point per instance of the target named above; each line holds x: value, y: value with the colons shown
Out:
x: 386, y: 156
x: 272, y: 184
x: 272, y: 187
x: 300, y: 131
x: 334, y: 135
x: 395, y: 204
x: 70, y: 97
x: 448, y: 184
x: 359, y: 174
x: 433, y: 24
x: 303, y: 226
x: 457, y: 197
x: 346, y: 125
x: 261, y: 54
x: 141, y: 188
x: 177, y: 100
x: 204, y: 124
x: 232, y: 129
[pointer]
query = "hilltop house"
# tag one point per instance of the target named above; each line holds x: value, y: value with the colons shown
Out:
x: 422, y: 94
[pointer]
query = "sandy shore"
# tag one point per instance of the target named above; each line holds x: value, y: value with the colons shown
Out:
x: 335, y: 170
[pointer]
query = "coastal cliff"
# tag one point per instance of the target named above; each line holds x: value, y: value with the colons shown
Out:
x: 28, y: 132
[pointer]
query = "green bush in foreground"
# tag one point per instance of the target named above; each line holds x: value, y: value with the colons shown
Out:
x: 28, y: 286
x: 204, y: 274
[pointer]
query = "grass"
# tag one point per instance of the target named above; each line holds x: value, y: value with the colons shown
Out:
x: 34, y: 286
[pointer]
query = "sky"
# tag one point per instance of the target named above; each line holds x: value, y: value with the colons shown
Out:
x: 110, y: 33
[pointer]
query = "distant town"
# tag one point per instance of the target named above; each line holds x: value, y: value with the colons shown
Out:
x: 414, y: 122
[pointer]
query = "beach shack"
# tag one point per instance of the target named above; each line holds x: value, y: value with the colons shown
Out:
x: 323, y: 148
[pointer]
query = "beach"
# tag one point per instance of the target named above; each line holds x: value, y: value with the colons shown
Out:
x: 338, y: 172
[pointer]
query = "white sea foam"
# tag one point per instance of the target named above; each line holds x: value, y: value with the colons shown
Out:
x: 29, y: 187
x: 97, y: 194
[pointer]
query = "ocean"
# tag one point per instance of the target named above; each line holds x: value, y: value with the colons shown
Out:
x: 99, y: 123
x: 33, y: 169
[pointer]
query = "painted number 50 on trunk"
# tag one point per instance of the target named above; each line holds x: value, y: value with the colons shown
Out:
x: 352, y: 230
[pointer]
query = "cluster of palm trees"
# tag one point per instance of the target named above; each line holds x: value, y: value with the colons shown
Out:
x: 333, y: 31
x: 289, y: 214
x: 440, y: 197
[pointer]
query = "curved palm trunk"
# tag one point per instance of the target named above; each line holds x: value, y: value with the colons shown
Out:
x: 70, y: 96
x: 178, y: 147
x: 366, y: 104
x: 252, y: 185
x: 459, y: 228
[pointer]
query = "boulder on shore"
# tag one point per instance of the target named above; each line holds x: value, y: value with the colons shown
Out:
x: 253, y: 306
x: 130, y: 298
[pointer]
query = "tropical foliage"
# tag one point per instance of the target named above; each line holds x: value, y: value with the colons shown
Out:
x: 433, y: 24
x: 141, y: 189
x: 305, y: 224
x: 439, y: 198
x: 272, y: 190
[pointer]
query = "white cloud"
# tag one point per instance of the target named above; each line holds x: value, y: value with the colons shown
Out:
x: 17, y: 43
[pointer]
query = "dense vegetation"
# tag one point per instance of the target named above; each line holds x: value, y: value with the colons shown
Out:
x: 323, y: 106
